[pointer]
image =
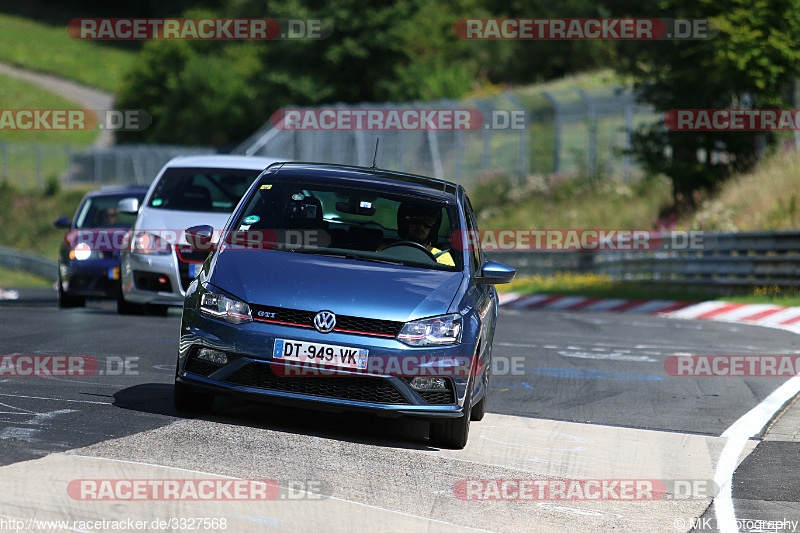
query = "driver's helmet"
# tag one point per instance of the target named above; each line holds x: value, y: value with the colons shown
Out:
x: 431, y: 216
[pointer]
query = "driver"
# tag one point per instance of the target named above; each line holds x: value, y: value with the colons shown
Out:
x: 421, y: 225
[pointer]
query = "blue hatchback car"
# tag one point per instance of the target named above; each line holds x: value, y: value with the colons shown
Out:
x: 88, y: 258
x: 344, y: 288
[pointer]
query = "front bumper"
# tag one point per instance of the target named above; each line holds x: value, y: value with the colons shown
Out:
x: 141, y: 274
x: 253, y: 374
x: 91, y: 278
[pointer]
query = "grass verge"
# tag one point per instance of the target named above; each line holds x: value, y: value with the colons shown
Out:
x: 27, y: 218
x: 49, y: 48
x: 20, y: 149
x: 14, y: 279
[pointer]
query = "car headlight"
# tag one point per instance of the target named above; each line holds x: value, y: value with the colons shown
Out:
x: 225, y: 308
x: 147, y: 243
x: 81, y: 252
x: 434, y: 331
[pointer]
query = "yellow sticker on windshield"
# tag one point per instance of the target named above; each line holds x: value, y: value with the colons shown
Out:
x: 266, y: 187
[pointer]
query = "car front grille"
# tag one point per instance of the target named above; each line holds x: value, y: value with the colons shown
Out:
x: 438, y: 397
x: 186, y: 256
x: 200, y: 367
x: 344, y: 324
x: 361, y: 389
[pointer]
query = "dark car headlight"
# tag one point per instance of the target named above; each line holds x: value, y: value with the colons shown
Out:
x: 225, y: 308
x: 435, y: 331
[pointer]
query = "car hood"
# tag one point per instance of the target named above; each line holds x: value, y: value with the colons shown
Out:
x: 170, y: 224
x: 344, y: 286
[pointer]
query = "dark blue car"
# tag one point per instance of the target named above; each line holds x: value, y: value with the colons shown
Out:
x: 88, y: 259
x: 344, y: 288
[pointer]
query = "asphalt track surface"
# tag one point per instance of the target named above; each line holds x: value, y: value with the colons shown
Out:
x: 574, y: 396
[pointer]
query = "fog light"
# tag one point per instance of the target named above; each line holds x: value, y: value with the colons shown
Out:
x: 213, y: 356
x: 429, y: 384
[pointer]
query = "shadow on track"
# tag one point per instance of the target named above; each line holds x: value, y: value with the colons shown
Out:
x: 156, y: 398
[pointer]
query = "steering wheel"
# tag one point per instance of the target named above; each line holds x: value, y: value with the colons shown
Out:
x: 413, y: 244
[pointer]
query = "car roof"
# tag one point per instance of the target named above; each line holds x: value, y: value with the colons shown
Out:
x: 377, y: 178
x: 247, y: 162
x: 117, y: 190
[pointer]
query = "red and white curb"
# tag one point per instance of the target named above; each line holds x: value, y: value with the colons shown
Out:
x: 759, y: 314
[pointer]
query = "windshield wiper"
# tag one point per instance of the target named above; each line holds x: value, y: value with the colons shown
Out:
x: 346, y: 255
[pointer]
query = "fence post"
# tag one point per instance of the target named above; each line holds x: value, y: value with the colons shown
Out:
x: 628, y: 110
x: 557, y: 126
x: 37, y: 152
x: 68, y: 174
x: 591, y: 117
x: 486, y: 156
x: 458, y: 148
x: 522, y: 155
x: 4, y: 161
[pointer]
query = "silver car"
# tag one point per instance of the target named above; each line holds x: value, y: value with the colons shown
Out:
x: 157, y: 263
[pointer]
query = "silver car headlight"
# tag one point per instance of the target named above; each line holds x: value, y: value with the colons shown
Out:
x: 149, y: 244
x: 225, y: 308
x: 436, y: 331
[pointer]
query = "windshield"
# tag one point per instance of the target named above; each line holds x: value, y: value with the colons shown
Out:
x: 202, y: 189
x: 348, y: 222
x: 103, y: 212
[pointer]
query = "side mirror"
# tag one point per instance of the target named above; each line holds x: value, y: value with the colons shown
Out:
x: 129, y: 206
x: 63, y: 223
x: 199, y: 237
x: 493, y: 273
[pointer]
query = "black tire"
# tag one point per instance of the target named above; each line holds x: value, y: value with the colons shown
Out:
x: 187, y: 400
x: 125, y: 307
x: 479, y: 409
x: 157, y: 310
x: 68, y: 300
x: 453, y: 432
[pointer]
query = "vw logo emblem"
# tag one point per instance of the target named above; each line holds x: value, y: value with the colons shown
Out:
x: 325, y: 321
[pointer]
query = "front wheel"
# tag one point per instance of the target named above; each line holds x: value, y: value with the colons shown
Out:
x: 454, y: 432
x: 124, y: 307
x: 68, y: 300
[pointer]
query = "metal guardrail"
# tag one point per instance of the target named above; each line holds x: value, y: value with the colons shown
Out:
x: 721, y: 260
x: 28, y: 262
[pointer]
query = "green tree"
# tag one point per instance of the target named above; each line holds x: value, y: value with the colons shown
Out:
x: 220, y: 92
x: 751, y: 62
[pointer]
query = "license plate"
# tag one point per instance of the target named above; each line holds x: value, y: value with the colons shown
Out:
x: 194, y: 269
x: 322, y: 354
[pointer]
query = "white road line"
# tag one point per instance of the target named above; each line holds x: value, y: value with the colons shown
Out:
x: 54, y: 399
x: 738, y: 434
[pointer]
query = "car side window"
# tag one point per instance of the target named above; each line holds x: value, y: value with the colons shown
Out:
x: 476, y: 258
